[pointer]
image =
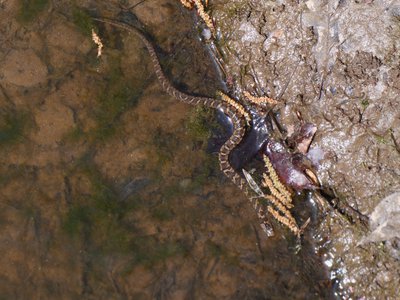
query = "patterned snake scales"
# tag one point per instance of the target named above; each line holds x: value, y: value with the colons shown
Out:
x: 238, y: 121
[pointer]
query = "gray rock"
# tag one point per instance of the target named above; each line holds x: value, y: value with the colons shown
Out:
x: 385, y: 220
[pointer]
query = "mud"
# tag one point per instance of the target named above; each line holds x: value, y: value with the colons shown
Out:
x: 337, y: 64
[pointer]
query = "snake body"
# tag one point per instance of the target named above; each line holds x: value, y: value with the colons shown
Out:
x: 238, y: 120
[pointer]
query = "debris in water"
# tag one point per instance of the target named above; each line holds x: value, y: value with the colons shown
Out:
x: 96, y: 39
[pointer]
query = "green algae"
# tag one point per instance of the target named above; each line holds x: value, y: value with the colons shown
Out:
x: 364, y: 103
x: 77, y: 217
x: 118, y: 95
x: 106, y: 218
x: 12, y: 127
x: 162, y: 213
x: 83, y: 21
x: 99, y: 212
x: 30, y: 9
x: 198, y: 125
x: 110, y: 108
x: 214, y: 249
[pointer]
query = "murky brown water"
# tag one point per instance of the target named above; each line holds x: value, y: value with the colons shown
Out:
x: 108, y: 186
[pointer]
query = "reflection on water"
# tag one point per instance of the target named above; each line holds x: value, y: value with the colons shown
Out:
x: 107, y: 188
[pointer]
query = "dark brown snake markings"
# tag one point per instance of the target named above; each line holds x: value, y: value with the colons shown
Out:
x: 238, y: 121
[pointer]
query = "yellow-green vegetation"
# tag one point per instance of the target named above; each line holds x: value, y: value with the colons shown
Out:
x: 385, y: 138
x: 381, y: 139
x: 12, y: 126
x: 364, y: 103
x: 198, y: 124
x: 83, y: 21
x: 29, y: 9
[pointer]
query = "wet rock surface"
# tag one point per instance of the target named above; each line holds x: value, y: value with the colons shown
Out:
x: 337, y: 64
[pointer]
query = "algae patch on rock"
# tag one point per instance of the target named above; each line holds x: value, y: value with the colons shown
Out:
x: 30, y: 9
x: 12, y: 126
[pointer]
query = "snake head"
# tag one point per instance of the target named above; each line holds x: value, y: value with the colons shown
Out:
x: 293, y: 169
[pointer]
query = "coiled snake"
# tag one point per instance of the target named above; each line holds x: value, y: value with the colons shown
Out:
x: 238, y: 121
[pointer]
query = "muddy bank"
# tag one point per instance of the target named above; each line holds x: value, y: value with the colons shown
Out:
x: 338, y: 64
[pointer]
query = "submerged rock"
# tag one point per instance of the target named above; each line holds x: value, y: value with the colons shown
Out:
x: 24, y: 68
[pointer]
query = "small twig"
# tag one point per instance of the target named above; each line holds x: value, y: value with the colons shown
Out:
x: 96, y: 39
x: 259, y: 100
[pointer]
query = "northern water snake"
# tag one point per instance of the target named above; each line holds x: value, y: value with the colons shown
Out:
x: 237, y: 118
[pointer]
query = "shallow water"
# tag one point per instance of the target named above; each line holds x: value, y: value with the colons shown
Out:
x: 109, y: 187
